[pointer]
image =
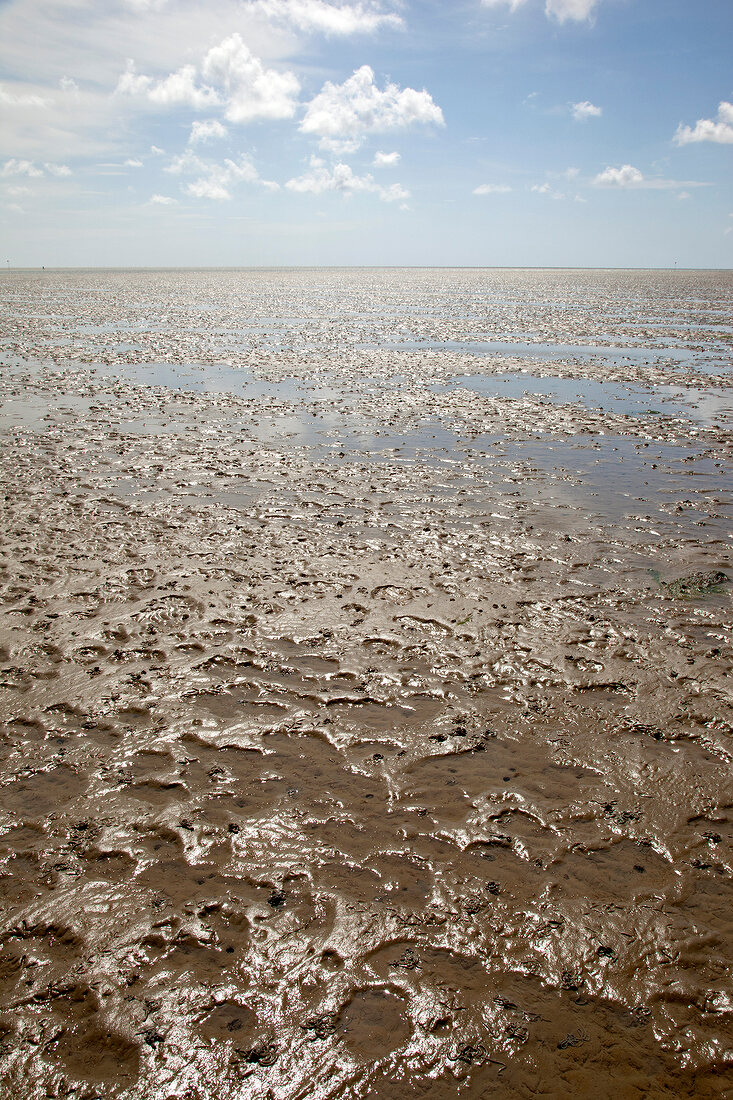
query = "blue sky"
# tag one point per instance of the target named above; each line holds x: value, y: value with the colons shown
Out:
x: 269, y: 132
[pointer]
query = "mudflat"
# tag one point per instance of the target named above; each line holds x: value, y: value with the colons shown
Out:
x: 365, y: 652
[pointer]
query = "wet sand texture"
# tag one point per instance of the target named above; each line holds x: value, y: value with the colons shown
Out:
x: 365, y: 693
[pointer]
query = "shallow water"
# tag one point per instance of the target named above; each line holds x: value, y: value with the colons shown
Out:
x: 355, y: 741
x: 717, y: 360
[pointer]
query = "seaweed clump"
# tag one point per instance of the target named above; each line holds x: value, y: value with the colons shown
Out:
x: 696, y: 584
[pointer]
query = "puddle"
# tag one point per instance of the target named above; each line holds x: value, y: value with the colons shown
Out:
x: 705, y: 406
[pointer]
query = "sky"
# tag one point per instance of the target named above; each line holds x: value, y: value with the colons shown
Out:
x: 561, y: 133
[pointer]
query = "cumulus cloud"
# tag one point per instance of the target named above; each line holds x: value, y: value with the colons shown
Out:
x: 186, y: 162
x: 207, y: 131
x: 492, y: 189
x: 162, y: 200
x: 340, y: 177
x: 561, y: 10
x: 252, y: 90
x: 386, y: 160
x: 338, y: 19
x: 342, y: 115
x: 719, y: 130
x: 57, y: 169
x: 214, y: 180
x: 584, y: 110
x: 216, y: 184
x: 132, y: 163
x: 176, y: 89
x: 625, y: 176
x: 629, y: 177
x: 231, y: 77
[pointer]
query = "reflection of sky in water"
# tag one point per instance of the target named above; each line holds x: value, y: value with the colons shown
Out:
x: 208, y: 378
x: 709, y: 360
x: 615, y: 477
x: 704, y: 406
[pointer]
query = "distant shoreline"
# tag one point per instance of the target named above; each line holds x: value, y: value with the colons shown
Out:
x: 356, y: 267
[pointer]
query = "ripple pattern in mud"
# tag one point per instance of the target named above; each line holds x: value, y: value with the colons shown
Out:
x: 340, y: 763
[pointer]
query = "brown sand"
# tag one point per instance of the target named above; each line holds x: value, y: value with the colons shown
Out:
x: 357, y: 739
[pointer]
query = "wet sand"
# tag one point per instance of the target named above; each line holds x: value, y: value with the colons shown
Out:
x: 363, y: 733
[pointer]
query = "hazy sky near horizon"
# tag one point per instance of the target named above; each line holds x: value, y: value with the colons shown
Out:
x: 473, y: 132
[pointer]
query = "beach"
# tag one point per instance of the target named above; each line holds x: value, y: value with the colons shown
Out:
x: 365, y: 652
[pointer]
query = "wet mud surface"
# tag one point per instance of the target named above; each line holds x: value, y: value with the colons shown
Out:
x: 365, y: 693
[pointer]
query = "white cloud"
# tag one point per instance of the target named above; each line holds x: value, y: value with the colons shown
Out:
x: 15, y: 167
x: 46, y: 39
x: 186, y: 162
x: 163, y: 200
x: 174, y: 90
x: 341, y: 178
x: 49, y: 40
x: 337, y: 19
x: 386, y: 160
x: 20, y: 99
x: 207, y: 131
x: 492, y: 189
x: 511, y: 4
x: 394, y: 193
x: 341, y: 115
x: 546, y: 189
x: 584, y: 110
x: 561, y: 10
x: 20, y: 168
x: 705, y: 129
x: 252, y: 90
x: 157, y: 151
x: 230, y: 77
x: 570, y: 9
x: 629, y: 177
x: 625, y: 176
x: 131, y: 163
x: 215, y: 180
x: 68, y: 84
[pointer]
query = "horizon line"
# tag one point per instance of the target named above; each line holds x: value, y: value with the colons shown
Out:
x: 355, y: 267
